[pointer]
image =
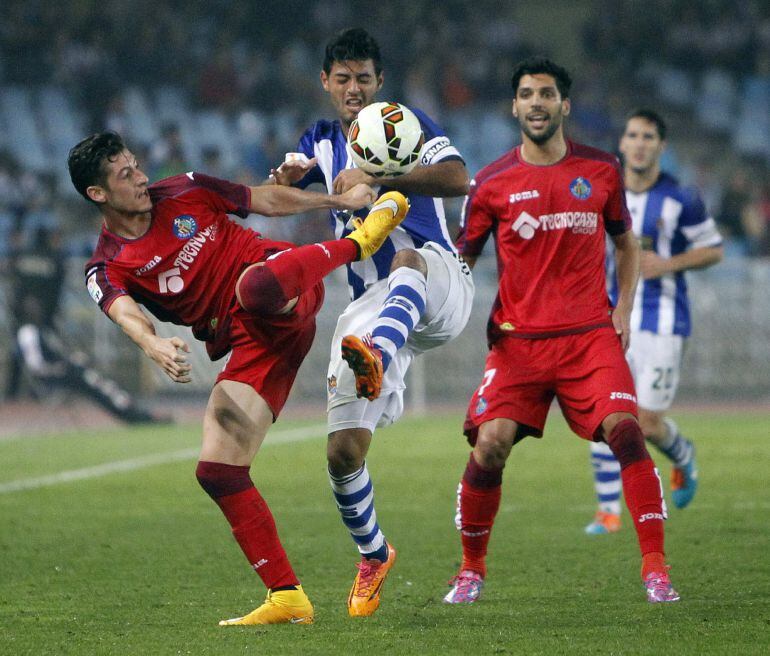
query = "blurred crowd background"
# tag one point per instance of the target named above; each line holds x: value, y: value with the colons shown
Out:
x: 228, y: 88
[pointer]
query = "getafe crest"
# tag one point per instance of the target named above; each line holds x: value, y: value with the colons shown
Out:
x: 185, y: 226
x: 580, y: 188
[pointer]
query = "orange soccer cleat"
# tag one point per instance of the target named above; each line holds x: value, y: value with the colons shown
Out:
x: 364, y: 597
x: 365, y: 360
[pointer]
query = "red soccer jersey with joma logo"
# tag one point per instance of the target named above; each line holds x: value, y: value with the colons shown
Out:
x: 549, y: 224
x: 184, y: 268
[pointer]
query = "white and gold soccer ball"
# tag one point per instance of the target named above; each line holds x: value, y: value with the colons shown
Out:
x: 385, y: 139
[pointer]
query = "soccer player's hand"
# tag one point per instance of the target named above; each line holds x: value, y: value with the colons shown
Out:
x: 292, y: 170
x: 653, y: 265
x: 349, y: 178
x: 359, y: 196
x: 169, y: 355
x: 621, y: 320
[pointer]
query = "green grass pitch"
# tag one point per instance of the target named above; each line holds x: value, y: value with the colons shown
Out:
x: 142, y: 562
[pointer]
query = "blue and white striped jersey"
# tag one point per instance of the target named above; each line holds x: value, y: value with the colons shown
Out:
x: 668, y: 219
x: 426, y: 220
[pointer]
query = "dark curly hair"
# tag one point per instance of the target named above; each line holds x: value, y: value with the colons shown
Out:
x: 353, y: 44
x: 87, y: 159
x: 538, y: 65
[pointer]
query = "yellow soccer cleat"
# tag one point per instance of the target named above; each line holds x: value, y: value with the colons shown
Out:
x: 388, y: 211
x: 281, y: 607
x: 364, y: 596
x: 365, y: 360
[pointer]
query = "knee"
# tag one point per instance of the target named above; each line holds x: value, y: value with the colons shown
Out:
x: 220, y: 480
x: 344, y: 454
x: 493, y: 447
x: 652, y: 424
x: 411, y: 259
x: 259, y: 292
x: 627, y: 442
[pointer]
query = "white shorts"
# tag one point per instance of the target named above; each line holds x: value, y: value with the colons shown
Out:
x: 449, y: 297
x: 655, y: 362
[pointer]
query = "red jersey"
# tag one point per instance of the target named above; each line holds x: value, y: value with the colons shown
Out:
x: 184, y: 268
x: 549, y: 224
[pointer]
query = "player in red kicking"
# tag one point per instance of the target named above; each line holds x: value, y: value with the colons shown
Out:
x: 171, y: 247
x: 552, y: 331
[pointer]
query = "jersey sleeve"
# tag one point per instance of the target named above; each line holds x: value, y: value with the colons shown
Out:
x: 476, y: 223
x: 103, y: 286
x: 306, y: 146
x: 617, y: 218
x: 437, y: 146
x: 222, y: 195
x: 696, y: 225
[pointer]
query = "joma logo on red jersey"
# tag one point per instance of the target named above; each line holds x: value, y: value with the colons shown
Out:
x: 523, y: 195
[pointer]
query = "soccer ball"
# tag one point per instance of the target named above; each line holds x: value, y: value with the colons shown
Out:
x: 385, y: 139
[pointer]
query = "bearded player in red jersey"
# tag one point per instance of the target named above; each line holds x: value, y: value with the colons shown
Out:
x: 171, y: 247
x: 552, y: 331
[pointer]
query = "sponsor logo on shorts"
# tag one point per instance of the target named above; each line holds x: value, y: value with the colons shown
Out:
x: 622, y: 396
x: 481, y: 406
x: 523, y: 195
x: 648, y: 516
x: 331, y: 385
x: 580, y: 188
x: 185, y: 226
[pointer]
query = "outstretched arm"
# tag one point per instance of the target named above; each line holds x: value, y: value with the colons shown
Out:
x: 440, y: 180
x: 167, y: 353
x: 279, y: 200
x: 627, y: 266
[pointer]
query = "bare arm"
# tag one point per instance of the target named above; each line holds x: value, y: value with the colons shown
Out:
x: 470, y: 260
x: 279, y: 200
x: 627, y: 265
x: 168, y: 353
x: 655, y: 266
x: 440, y: 180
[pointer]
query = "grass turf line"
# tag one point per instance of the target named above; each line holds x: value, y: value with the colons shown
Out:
x: 142, y: 562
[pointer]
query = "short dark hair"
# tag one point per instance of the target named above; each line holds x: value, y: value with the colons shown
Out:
x: 87, y: 159
x: 538, y: 65
x: 653, y: 117
x: 353, y: 44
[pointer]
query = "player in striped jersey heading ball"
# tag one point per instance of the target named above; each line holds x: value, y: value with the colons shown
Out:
x: 413, y: 295
x: 677, y: 235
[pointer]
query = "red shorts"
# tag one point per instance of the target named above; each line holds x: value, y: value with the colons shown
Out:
x: 586, y: 372
x: 267, y: 351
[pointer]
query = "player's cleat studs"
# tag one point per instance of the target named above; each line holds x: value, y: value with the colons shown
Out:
x: 684, y: 482
x: 280, y: 607
x: 365, y: 360
x: 603, y: 523
x: 388, y: 211
x: 466, y: 588
x: 364, y: 597
x: 659, y: 588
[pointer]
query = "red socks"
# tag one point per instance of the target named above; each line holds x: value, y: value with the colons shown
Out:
x: 641, y: 485
x: 251, y: 520
x: 266, y: 289
x: 477, y: 504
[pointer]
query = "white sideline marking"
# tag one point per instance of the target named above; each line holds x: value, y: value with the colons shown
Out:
x: 142, y: 462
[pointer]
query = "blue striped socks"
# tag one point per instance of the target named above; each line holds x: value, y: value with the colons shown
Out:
x: 606, y: 478
x: 400, y: 312
x: 675, y: 447
x: 355, y: 501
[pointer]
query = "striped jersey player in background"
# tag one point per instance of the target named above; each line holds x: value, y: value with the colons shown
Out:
x: 552, y: 332
x: 677, y: 235
x: 171, y: 247
x: 413, y: 295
